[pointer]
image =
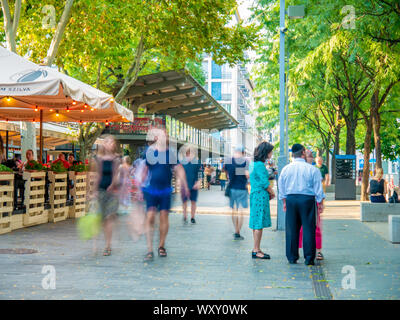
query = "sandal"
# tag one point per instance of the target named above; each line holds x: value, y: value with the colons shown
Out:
x: 255, y: 256
x: 149, y: 256
x: 320, y: 256
x: 107, y: 252
x: 162, y: 252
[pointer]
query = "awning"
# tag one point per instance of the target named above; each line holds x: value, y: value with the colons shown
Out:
x: 52, y: 135
x: 27, y: 88
x: 179, y: 95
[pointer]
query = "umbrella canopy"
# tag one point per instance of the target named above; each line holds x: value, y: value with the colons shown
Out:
x: 27, y: 88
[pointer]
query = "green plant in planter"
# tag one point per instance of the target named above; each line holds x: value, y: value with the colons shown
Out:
x: 4, y: 168
x: 79, y: 168
x: 34, y: 165
x: 58, y: 167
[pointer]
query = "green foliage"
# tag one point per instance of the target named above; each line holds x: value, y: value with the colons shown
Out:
x: 4, y: 168
x: 80, y: 167
x: 58, y: 167
x: 34, y: 165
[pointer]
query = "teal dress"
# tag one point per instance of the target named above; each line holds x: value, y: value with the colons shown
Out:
x: 260, y: 214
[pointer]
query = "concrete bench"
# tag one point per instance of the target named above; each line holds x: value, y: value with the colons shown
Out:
x: 394, y: 228
x: 378, y: 212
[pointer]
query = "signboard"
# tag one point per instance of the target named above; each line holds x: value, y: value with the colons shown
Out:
x: 140, y: 125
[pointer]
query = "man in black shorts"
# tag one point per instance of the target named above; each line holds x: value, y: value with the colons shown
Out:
x: 160, y: 164
x: 192, y: 167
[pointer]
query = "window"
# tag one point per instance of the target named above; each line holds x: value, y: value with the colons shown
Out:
x: 226, y: 91
x: 226, y: 72
x: 216, y: 90
x: 227, y: 106
x: 216, y: 72
x: 205, y: 68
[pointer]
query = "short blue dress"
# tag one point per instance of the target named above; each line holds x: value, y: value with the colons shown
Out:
x: 260, y: 213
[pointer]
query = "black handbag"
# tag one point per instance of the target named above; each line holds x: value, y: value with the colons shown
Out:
x: 228, y: 190
x: 394, y: 198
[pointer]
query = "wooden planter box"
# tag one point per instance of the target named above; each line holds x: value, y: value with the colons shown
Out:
x: 17, y: 221
x: 78, y: 209
x: 90, y: 179
x: 35, y: 182
x: 6, y: 201
x: 58, y: 196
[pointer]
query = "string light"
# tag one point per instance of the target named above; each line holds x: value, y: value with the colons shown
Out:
x: 36, y: 108
x: 73, y: 102
x: 91, y: 109
x: 51, y: 110
x: 82, y: 110
x: 85, y: 106
x: 67, y: 109
x: 8, y: 99
x: 107, y: 123
x: 112, y: 99
x: 57, y: 114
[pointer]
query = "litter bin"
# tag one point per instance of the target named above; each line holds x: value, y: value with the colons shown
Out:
x: 345, y: 186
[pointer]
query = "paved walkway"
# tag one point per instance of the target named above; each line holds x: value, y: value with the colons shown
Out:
x: 203, y: 263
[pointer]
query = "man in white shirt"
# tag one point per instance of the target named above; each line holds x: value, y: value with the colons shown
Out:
x: 300, y: 188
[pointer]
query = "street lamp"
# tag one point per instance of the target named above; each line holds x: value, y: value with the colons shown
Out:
x: 294, y: 12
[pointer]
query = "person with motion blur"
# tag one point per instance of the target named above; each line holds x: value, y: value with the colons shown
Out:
x: 160, y: 164
x: 192, y: 168
x: 378, y: 187
x: 324, y: 172
x: 261, y: 193
x: 238, y: 175
x: 125, y: 173
x: 107, y: 165
x: 222, y: 179
x: 208, y: 172
x: 300, y: 187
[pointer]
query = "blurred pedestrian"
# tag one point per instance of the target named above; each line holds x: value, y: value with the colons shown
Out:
x: 324, y: 172
x: 107, y: 163
x: 125, y: 173
x: 300, y: 187
x: 208, y: 172
x: 192, y: 166
x: 260, y: 194
x: 238, y: 175
x: 160, y: 164
x: 222, y: 179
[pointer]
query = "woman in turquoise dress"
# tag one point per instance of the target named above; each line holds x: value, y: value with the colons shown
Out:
x: 261, y: 193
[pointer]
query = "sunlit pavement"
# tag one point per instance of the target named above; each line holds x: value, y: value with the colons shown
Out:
x: 203, y: 263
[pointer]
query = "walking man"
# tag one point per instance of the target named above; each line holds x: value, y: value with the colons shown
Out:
x: 238, y: 174
x: 192, y: 168
x: 300, y: 188
x: 160, y: 164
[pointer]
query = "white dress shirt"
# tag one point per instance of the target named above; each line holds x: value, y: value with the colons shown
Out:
x: 300, y: 177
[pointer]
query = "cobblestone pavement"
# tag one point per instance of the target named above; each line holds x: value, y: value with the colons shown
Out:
x: 203, y: 263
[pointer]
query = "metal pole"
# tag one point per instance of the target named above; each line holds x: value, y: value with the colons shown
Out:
x: 287, y: 106
x: 6, y: 144
x: 282, y: 158
x: 41, y: 137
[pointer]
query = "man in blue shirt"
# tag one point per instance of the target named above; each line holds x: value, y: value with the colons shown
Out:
x: 300, y: 187
x: 238, y: 175
x: 192, y: 167
x: 160, y: 164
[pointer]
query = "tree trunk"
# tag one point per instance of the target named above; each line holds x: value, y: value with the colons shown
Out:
x: 367, y: 152
x: 336, y: 150
x: 376, y: 126
x: 9, y: 27
x: 351, y: 137
x: 55, y: 42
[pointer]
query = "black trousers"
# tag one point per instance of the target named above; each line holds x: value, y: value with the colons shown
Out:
x: 300, y: 211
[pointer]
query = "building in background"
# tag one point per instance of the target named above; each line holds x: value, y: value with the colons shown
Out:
x: 233, y: 89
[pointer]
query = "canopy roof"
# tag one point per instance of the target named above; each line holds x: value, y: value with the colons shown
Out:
x: 27, y: 88
x: 53, y: 135
x: 179, y: 95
